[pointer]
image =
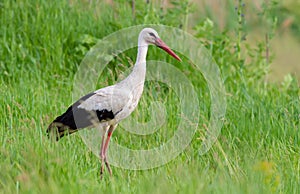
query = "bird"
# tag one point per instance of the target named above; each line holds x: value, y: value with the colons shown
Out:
x: 106, y: 107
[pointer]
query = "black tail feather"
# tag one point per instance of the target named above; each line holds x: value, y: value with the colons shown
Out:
x: 62, y: 125
x: 57, y: 130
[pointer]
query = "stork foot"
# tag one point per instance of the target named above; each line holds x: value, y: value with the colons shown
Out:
x: 104, y: 161
x: 108, y: 166
x: 101, y: 170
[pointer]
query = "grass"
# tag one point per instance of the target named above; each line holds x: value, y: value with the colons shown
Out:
x: 41, y: 46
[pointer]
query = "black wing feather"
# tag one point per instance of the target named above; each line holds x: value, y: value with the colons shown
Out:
x: 77, y: 118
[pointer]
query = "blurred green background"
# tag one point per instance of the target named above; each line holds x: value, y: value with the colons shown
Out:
x: 285, y: 45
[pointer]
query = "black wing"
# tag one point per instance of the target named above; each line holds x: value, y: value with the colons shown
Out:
x: 77, y: 118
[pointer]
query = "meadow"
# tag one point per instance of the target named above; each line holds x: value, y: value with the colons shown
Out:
x: 42, y: 44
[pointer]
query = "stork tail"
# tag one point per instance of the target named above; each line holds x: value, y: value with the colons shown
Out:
x: 62, y: 125
x: 57, y: 129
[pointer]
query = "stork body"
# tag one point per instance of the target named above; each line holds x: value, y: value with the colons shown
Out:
x: 106, y: 107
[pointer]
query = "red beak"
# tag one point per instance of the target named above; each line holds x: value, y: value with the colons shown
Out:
x: 159, y: 43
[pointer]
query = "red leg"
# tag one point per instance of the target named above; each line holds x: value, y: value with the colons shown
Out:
x: 109, y: 133
x: 102, y: 153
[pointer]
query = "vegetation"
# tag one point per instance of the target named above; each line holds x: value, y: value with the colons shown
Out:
x: 41, y: 46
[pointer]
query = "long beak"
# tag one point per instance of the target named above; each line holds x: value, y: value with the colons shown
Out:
x: 159, y: 43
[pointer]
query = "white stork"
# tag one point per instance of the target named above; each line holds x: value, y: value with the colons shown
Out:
x: 106, y: 107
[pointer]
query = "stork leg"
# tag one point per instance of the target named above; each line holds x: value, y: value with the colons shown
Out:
x: 109, y: 133
x: 102, y: 155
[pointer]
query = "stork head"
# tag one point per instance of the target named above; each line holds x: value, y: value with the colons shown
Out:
x: 150, y: 36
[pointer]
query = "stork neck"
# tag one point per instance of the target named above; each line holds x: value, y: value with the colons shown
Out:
x: 137, y: 76
x: 142, y: 54
x: 139, y: 69
x: 140, y: 64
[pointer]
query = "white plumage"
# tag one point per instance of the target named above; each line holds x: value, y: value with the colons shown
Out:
x: 106, y: 107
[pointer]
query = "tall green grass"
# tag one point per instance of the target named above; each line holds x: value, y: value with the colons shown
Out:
x: 41, y: 46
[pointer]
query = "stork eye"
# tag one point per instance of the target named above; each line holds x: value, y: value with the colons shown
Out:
x: 151, y: 34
